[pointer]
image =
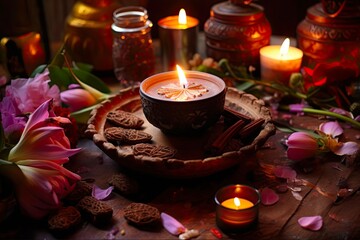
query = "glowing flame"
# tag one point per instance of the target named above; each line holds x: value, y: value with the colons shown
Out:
x: 285, y: 47
x: 182, y: 77
x: 237, y: 202
x: 182, y: 16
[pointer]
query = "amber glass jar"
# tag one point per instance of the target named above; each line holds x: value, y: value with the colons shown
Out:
x: 236, y: 30
x: 133, y: 52
x: 330, y: 32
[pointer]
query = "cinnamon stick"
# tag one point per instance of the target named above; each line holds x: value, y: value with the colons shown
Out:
x: 228, y: 112
x: 219, y: 144
x: 250, y: 128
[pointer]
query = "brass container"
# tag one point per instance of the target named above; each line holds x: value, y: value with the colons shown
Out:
x: 236, y: 30
x: 330, y: 32
x: 88, y: 34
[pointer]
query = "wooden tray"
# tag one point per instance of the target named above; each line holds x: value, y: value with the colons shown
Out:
x: 190, y: 160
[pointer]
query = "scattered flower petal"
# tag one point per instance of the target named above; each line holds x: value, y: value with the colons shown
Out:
x: 347, y: 148
x: 172, y: 225
x: 269, y: 197
x: 101, y: 194
x: 296, y: 195
x: 312, y: 222
x: 284, y: 172
x: 331, y: 128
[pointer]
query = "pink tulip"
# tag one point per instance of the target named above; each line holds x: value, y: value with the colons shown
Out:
x: 77, y: 99
x: 301, y: 146
x: 39, y: 178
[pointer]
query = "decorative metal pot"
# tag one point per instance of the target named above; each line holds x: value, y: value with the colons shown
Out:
x: 331, y: 30
x: 236, y: 30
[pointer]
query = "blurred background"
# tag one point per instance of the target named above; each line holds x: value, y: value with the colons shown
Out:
x: 31, y: 31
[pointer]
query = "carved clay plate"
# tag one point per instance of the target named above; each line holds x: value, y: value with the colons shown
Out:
x: 191, y: 159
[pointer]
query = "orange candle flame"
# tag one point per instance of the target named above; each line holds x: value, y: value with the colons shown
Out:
x: 284, y: 49
x: 182, y: 78
x: 182, y: 17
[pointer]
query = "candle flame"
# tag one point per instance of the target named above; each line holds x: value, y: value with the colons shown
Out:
x: 182, y: 77
x: 237, y: 202
x: 182, y: 17
x: 285, y: 47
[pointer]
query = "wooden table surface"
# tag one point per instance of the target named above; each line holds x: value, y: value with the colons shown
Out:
x: 192, y: 201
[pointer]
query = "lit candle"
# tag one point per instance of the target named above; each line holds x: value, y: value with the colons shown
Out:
x: 237, y: 208
x: 279, y: 62
x: 237, y: 203
x: 182, y: 90
x: 178, y: 39
x: 182, y: 106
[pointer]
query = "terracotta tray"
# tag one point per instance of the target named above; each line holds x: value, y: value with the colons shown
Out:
x: 191, y: 159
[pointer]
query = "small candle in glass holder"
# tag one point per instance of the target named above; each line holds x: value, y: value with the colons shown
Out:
x: 178, y: 39
x: 237, y: 208
x: 279, y: 62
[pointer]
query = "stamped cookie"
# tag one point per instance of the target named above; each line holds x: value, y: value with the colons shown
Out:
x: 124, y: 119
x: 124, y: 184
x: 141, y: 214
x: 126, y: 136
x: 95, y: 211
x: 64, y: 220
x: 81, y: 190
x: 153, y: 150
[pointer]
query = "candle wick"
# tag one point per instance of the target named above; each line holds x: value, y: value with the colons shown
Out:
x: 184, y: 86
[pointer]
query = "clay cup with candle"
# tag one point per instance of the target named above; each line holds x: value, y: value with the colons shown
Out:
x: 178, y: 39
x: 237, y: 208
x: 182, y: 102
x: 279, y: 62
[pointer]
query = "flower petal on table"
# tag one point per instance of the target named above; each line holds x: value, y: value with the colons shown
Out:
x: 269, y: 197
x: 347, y: 148
x: 101, y: 194
x: 284, y: 172
x: 172, y: 225
x: 311, y: 222
x: 331, y: 128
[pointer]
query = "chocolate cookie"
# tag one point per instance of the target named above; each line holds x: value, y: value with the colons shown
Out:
x: 153, y: 150
x: 81, y: 190
x: 124, y: 119
x: 124, y: 184
x: 64, y: 220
x: 141, y: 214
x: 126, y: 136
x: 95, y: 211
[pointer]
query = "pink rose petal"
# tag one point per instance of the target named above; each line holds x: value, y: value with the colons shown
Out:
x: 101, y: 194
x: 285, y: 172
x: 172, y: 225
x: 269, y: 197
x: 312, y: 222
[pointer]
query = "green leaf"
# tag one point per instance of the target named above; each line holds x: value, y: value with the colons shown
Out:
x: 37, y: 70
x: 245, y: 86
x: 89, y: 79
x: 59, y: 77
x: 203, y: 68
x: 82, y: 116
x: 83, y: 66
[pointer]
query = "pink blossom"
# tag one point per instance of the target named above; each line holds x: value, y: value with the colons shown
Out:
x: 39, y: 178
x: 301, y: 145
x: 30, y: 93
x: 101, y: 194
x: 77, y: 99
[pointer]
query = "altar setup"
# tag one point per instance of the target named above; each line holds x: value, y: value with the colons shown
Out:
x: 214, y: 129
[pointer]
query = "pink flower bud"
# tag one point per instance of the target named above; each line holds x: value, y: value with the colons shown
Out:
x: 301, y: 145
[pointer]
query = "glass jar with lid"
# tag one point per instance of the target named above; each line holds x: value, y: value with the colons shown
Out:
x: 133, y: 53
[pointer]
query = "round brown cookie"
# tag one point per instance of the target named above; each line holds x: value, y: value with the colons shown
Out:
x: 124, y: 184
x: 126, y: 136
x: 81, y: 190
x: 97, y: 212
x: 64, y: 220
x: 141, y: 214
x: 153, y: 150
x: 124, y: 119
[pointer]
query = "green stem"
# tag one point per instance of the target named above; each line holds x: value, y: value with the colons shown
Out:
x: 326, y: 113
